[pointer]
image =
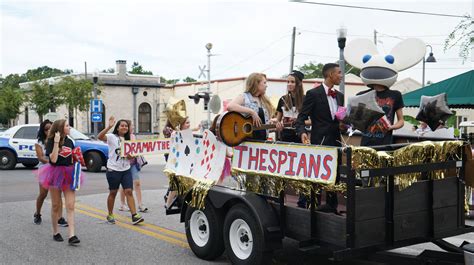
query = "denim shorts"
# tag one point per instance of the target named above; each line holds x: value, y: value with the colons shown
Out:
x: 115, y: 178
x: 135, y: 172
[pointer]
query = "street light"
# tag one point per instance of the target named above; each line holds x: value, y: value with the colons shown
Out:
x: 95, y: 78
x: 341, y: 41
x: 208, y: 47
x: 430, y: 59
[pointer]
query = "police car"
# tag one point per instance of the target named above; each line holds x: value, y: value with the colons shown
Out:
x: 17, y: 145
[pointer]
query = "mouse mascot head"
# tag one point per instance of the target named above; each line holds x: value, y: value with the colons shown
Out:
x: 382, y: 69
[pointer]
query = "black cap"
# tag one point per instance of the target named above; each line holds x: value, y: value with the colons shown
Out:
x: 297, y: 74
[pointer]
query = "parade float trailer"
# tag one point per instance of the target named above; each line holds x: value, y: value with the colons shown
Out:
x: 392, y: 196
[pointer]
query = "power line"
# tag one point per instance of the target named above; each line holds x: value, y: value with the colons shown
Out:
x: 316, y: 55
x: 275, y: 64
x: 253, y: 55
x: 381, y: 9
x: 329, y: 33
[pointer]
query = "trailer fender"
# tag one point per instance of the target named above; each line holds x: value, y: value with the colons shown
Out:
x: 224, y: 198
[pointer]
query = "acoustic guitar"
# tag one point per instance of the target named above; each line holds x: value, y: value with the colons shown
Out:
x: 233, y: 127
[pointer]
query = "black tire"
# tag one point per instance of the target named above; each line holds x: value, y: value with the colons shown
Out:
x: 30, y: 165
x: 93, y: 162
x: 7, y: 159
x: 245, y: 221
x: 212, y: 246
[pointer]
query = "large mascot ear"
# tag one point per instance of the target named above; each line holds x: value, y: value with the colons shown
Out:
x: 357, y: 49
x: 408, y: 53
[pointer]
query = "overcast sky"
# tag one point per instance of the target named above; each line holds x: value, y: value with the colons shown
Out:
x: 169, y: 37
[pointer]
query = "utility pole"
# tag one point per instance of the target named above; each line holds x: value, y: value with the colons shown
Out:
x: 88, y: 111
x: 208, y: 47
x: 292, y: 58
x: 375, y: 37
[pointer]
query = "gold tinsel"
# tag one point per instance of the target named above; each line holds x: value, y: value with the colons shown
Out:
x: 362, y: 158
x: 413, y: 154
x: 183, y: 185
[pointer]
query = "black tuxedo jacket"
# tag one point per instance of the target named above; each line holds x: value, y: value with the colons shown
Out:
x: 324, y: 129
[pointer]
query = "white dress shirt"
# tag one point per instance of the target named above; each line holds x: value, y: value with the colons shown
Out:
x: 332, y: 101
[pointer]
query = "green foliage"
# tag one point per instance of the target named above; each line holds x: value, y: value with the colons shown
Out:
x: 11, y: 100
x: 110, y: 71
x: 75, y: 93
x: 189, y: 80
x: 462, y: 35
x: 170, y: 81
x: 411, y: 120
x: 44, y: 72
x: 44, y: 98
x: 451, y: 121
x: 315, y: 70
x: 138, y: 69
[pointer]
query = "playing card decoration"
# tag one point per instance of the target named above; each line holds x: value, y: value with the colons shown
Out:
x: 363, y: 111
x: 194, y: 157
x: 210, y: 161
x: 434, y: 110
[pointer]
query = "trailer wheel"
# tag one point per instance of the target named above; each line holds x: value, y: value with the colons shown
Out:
x: 204, y: 232
x: 244, y: 241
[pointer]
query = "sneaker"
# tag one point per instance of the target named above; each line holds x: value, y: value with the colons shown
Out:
x: 74, y: 240
x: 142, y: 209
x: 58, y: 238
x: 111, y: 219
x: 62, y: 222
x: 37, y: 218
x: 136, y: 218
x: 124, y: 208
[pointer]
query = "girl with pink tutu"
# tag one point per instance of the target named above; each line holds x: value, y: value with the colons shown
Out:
x: 43, y: 160
x: 62, y: 174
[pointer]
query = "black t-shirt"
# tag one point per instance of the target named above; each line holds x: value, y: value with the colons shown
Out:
x: 288, y: 135
x: 390, y: 101
x: 64, y: 154
x: 260, y: 134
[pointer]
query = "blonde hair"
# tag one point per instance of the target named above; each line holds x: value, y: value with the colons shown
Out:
x: 251, y: 87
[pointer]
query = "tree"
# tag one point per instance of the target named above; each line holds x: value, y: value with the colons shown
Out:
x: 11, y: 100
x: 138, y: 69
x: 110, y: 71
x: 170, y: 81
x: 76, y: 94
x: 44, y: 72
x: 189, y: 80
x: 315, y: 70
x: 463, y: 34
x: 44, y: 98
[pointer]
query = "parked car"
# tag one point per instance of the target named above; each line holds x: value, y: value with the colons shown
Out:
x: 17, y: 145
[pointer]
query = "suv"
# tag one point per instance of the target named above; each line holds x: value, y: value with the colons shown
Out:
x: 17, y: 145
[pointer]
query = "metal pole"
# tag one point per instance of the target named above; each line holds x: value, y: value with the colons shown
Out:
x: 342, y: 65
x: 88, y: 111
x: 375, y: 37
x: 292, y: 58
x: 95, y: 125
x: 423, y: 78
x: 208, y: 86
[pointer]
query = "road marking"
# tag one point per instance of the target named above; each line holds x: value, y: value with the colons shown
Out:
x: 140, y: 230
x: 127, y: 219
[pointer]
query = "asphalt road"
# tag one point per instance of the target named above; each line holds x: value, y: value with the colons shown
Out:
x: 159, y: 240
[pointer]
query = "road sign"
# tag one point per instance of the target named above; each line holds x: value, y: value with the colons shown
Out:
x: 203, y: 70
x: 96, y: 105
x: 96, y: 117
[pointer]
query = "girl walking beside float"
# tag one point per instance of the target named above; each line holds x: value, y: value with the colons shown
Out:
x: 62, y: 174
x: 118, y: 168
